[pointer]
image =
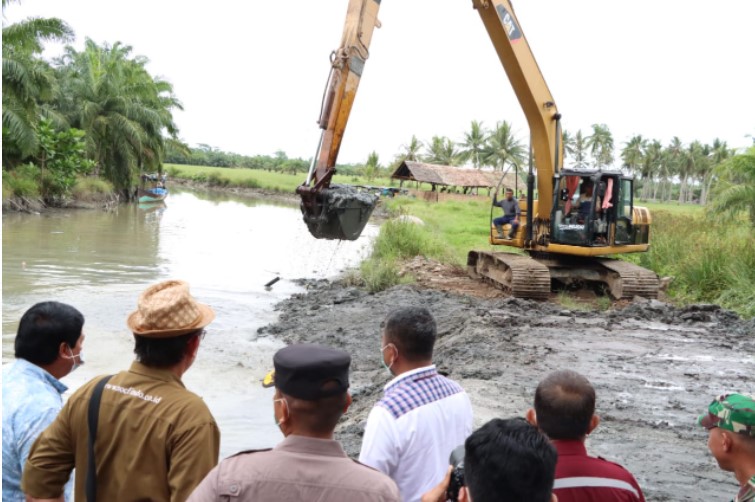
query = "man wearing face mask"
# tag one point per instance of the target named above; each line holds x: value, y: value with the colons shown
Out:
x: 311, y: 394
x: 48, y: 347
x: 422, y: 416
x: 155, y: 440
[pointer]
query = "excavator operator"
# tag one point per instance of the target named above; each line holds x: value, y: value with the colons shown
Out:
x: 511, y: 213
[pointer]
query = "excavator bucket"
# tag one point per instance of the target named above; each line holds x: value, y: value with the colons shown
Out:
x: 338, y: 212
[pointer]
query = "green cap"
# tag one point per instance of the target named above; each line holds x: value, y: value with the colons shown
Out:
x: 733, y: 412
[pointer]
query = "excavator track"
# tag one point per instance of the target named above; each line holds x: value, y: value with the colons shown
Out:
x: 527, y: 276
x: 628, y: 280
x: 519, y: 275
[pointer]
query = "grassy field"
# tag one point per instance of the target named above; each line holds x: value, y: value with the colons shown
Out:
x: 710, y: 261
x: 257, y: 178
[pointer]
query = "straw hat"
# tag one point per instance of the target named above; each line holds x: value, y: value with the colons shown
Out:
x: 167, y: 309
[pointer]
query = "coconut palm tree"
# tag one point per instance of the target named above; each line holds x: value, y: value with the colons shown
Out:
x: 442, y: 150
x: 673, y: 165
x: 719, y: 152
x: 735, y: 191
x: 633, y: 153
x: 474, y: 141
x: 123, y: 109
x: 578, y: 148
x: 600, y: 143
x: 503, y: 148
x: 651, y: 168
x: 28, y: 82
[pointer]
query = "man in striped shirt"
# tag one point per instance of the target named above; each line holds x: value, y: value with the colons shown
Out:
x: 422, y: 416
x: 565, y: 411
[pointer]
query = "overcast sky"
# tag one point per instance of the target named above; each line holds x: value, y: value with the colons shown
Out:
x: 250, y: 74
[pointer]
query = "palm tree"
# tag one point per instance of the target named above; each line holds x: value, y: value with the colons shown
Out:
x: 736, y: 189
x: 600, y: 143
x: 412, y: 149
x: 28, y: 82
x: 503, y: 148
x: 718, y: 154
x: 442, y: 150
x: 633, y: 154
x: 123, y: 109
x: 568, y: 141
x: 474, y: 141
x: 651, y: 168
x: 578, y: 148
x: 673, y: 165
x: 372, y: 167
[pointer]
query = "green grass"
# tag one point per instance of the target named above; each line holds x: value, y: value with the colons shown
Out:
x: 709, y: 259
x: 257, y: 178
x: 672, y: 207
x: 460, y: 226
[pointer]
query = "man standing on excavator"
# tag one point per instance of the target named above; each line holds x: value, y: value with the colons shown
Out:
x: 511, y: 214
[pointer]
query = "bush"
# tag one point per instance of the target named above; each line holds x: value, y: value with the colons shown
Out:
x: 378, y: 275
x: 22, y: 181
x: 249, y: 183
x: 215, y: 179
x: 86, y: 188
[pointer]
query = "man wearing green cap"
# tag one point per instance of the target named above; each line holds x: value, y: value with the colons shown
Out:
x: 730, y: 421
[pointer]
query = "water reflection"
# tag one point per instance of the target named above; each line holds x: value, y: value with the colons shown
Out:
x: 227, y: 248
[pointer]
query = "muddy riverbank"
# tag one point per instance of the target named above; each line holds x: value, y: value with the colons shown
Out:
x: 654, y: 366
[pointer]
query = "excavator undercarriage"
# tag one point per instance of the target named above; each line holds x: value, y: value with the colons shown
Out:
x: 532, y: 275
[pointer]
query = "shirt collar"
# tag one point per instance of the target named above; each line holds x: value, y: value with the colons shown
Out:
x: 430, y: 370
x: 162, y: 374
x: 28, y: 367
x: 302, y: 444
x: 570, y: 447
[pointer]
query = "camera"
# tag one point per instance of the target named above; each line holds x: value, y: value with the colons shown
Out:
x: 457, y: 474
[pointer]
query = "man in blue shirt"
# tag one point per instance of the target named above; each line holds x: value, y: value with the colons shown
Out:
x: 48, y: 347
x: 511, y: 214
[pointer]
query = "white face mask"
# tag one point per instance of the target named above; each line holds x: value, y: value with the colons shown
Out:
x: 73, y: 357
x: 382, y: 359
x: 277, y: 422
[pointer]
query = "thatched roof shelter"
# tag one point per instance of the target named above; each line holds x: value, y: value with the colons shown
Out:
x: 449, y: 175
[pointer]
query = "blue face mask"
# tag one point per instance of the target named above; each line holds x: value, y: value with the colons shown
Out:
x: 382, y: 359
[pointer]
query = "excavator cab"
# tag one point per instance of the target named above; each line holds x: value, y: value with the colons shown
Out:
x: 594, y: 208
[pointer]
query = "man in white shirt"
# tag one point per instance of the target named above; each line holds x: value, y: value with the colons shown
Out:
x: 422, y: 416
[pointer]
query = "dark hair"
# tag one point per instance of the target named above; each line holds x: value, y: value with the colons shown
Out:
x: 43, y: 328
x: 509, y: 461
x: 162, y: 352
x: 564, y: 404
x: 413, y: 331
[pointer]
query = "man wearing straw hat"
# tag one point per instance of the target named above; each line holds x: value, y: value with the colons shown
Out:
x: 153, y: 439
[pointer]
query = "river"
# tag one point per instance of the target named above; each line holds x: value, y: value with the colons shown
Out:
x: 226, y: 247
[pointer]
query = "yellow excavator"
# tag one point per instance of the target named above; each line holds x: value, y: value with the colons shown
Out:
x: 581, y: 215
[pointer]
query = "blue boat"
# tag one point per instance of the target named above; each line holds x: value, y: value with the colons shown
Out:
x: 152, y: 189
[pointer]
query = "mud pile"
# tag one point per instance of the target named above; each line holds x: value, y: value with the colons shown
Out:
x: 655, y: 368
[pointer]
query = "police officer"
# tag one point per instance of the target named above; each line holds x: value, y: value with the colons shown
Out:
x: 311, y: 394
x: 155, y: 440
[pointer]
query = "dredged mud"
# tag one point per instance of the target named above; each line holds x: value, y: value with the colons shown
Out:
x: 655, y: 367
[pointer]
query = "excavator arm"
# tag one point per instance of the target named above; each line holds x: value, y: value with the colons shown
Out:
x: 340, y: 212
x: 333, y: 212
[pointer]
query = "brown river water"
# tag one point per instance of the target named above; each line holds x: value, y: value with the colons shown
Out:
x: 227, y: 248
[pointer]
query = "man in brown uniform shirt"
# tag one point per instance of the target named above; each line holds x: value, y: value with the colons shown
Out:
x: 155, y: 439
x: 311, y: 395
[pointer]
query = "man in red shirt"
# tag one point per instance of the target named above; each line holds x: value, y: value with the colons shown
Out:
x: 565, y: 411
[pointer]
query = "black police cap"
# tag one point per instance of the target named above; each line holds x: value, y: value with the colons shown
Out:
x: 309, y: 372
